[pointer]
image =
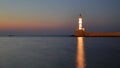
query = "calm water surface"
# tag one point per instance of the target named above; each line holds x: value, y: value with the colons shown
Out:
x: 59, y: 52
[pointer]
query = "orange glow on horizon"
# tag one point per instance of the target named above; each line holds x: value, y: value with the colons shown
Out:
x: 27, y: 25
x: 13, y: 22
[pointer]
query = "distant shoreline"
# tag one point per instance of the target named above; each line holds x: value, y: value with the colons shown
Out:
x: 34, y: 35
x: 87, y: 34
x: 98, y: 34
x: 104, y: 34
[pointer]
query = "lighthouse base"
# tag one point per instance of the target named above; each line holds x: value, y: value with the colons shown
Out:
x: 80, y: 33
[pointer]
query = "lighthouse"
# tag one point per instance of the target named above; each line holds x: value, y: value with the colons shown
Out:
x: 80, y: 23
x: 80, y: 32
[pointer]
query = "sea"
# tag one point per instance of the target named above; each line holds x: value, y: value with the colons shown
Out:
x: 59, y: 52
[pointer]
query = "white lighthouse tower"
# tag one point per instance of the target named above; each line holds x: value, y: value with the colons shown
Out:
x: 80, y: 32
x: 80, y: 26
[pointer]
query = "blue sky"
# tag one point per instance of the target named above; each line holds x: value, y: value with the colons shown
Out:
x: 58, y: 16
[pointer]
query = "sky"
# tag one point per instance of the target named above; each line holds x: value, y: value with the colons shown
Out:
x: 58, y: 17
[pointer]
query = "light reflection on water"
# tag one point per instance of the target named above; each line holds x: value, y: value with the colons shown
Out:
x: 80, y: 53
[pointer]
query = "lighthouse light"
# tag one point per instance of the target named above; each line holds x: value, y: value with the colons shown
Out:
x: 80, y: 23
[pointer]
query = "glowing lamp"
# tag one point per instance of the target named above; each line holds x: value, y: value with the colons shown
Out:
x: 80, y: 22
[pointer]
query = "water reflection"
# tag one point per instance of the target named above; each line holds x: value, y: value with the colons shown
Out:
x: 80, y: 53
